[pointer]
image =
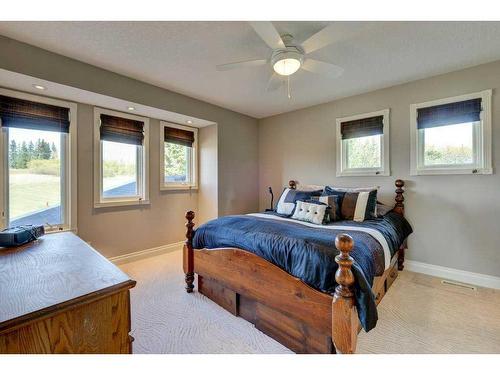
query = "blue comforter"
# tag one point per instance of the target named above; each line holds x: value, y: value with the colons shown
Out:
x: 309, y: 253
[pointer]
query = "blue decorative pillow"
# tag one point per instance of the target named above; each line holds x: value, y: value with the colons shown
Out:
x: 289, y: 197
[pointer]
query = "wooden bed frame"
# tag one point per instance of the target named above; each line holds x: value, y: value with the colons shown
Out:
x: 298, y: 316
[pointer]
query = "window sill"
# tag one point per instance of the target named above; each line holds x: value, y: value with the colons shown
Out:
x: 134, y: 202
x: 364, y: 173
x: 178, y: 187
x: 57, y: 230
x: 450, y: 171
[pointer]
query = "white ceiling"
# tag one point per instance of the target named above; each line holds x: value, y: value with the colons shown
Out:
x: 181, y: 56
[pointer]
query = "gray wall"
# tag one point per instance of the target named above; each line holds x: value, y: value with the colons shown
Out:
x: 233, y: 148
x: 455, y: 217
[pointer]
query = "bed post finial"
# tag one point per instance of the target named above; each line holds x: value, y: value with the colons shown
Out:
x: 344, y: 316
x: 292, y: 184
x: 399, y: 207
x: 188, y: 253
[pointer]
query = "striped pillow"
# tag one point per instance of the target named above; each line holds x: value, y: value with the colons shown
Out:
x: 372, y: 198
x: 355, y: 206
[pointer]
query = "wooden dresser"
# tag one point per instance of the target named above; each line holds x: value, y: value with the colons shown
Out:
x: 58, y: 295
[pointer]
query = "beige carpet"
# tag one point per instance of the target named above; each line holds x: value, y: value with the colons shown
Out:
x: 418, y: 315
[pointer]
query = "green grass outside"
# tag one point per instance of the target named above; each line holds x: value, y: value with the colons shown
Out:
x: 32, y: 192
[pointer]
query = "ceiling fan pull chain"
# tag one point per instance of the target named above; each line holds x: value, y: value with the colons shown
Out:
x: 288, y: 81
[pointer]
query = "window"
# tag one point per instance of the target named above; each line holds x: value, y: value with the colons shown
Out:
x: 452, y: 136
x: 120, y: 159
x: 178, y: 156
x: 363, y: 145
x: 39, y: 169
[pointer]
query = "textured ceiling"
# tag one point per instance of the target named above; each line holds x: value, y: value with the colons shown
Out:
x: 181, y: 56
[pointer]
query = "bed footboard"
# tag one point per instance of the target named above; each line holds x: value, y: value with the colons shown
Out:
x: 345, y: 323
x: 188, y: 254
x: 274, y: 300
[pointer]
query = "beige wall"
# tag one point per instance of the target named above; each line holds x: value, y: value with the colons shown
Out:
x: 121, y: 230
x: 455, y: 218
x: 116, y: 231
x: 237, y: 133
x: 208, y: 196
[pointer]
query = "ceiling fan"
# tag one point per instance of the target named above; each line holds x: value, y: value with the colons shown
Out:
x: 288, y: 56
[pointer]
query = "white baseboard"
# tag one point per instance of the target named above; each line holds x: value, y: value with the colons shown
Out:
x: 120, y: 259
x: 467, y: 277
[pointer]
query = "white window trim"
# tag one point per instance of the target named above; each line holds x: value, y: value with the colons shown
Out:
x: 482, y: 138
x: 69, y: 177
x: 194, y: 161
x: 143, y: 197
x: 384, y: 169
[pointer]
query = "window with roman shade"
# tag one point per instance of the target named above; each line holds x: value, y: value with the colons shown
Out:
x: 38, y: 162
x: 121, y: 159
x: 452, y: 135
x: 449, y: 114
x: 180, y: 137
x: 363, y: 127
x: 122, y: 130
x: 178, y: 157
x: 20, y: 113
x: 363, y: 144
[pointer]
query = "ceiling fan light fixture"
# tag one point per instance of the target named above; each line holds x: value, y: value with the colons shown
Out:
x: 286, y: 67
x: 287, y: 62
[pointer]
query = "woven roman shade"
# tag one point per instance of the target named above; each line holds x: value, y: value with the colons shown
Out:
x: 123, y: 130
x: 20, y: 113
x: 362, y: 128
x: 449, y: 114
x: 179, y: 136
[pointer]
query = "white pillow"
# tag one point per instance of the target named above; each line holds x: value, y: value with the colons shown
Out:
x: 310, y: 212
x: 285, y: 208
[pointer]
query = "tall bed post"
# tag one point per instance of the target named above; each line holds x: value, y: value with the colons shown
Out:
x: 188, y: 253
x: 344, y: 315
x: 399, y: 208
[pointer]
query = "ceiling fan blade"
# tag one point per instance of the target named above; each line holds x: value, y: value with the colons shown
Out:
x: 268, y: 33
x: 241, y: 64
x: 274, y: 82
x: 320, y: 67
x: 333, y: 33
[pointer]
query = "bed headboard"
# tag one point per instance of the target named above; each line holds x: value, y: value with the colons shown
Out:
x: 399, y: 206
